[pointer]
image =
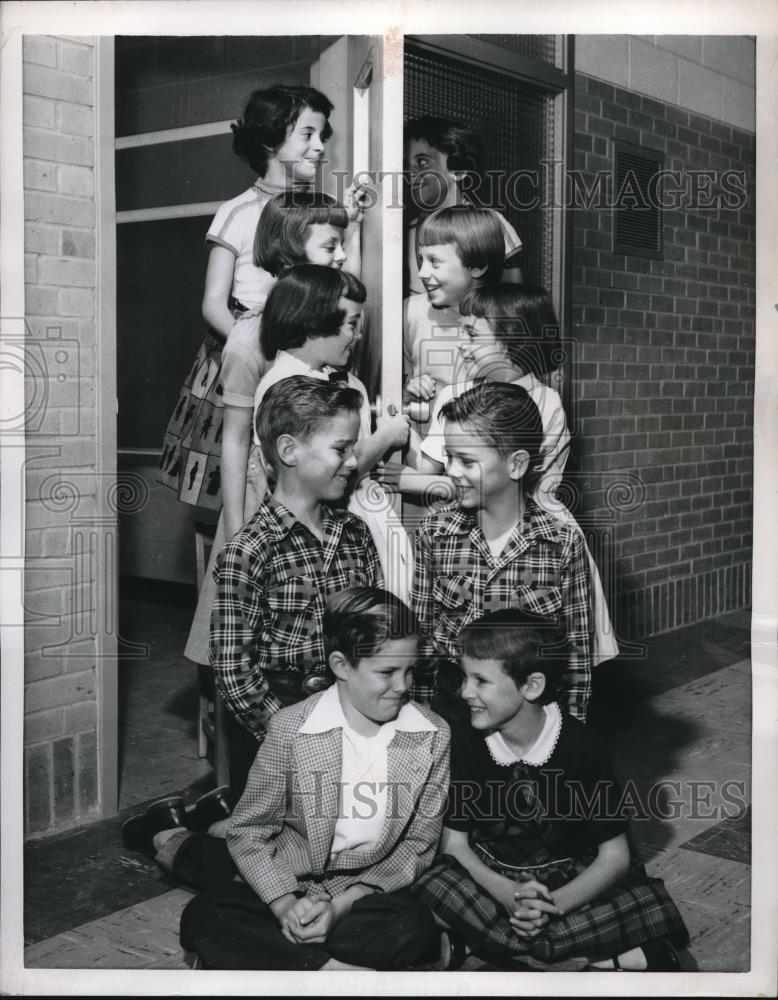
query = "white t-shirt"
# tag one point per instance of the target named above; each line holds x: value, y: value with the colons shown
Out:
x: 497, y: 544
x: 430, y: 339
x: 233, y: 228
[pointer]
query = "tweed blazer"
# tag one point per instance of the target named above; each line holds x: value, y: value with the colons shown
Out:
x: 282, y: 829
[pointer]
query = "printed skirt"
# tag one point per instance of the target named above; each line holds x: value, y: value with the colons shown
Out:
x: 634, y: 910
x: 191, y: 451
x: 200, y: 632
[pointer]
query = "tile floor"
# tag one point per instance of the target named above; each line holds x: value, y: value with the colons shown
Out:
x: 680, y: 714
x: 158, y: 700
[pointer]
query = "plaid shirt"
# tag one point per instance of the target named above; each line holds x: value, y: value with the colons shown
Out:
x: 542, y: 569
x: 272, y: 582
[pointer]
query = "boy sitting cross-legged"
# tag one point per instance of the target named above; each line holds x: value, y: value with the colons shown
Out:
x: 493, y: 547
x: 341, y: 814
x: 273, y: 581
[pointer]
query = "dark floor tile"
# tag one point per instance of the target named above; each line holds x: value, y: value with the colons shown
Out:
x: 619, y: 686
x: 730, y: 839
x: 80, y: 876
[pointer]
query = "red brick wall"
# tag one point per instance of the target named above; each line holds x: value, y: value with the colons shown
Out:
x: 664, y: 375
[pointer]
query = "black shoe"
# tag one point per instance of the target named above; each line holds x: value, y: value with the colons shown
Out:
x: 209, y: 809
x: 453, y: 950
x: 165, y: 814
x: 661, y: 955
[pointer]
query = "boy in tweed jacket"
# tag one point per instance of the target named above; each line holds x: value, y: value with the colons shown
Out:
x: 341, y: 814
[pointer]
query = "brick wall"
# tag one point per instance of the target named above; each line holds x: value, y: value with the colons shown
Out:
x: 665, y: 373
x: 60, y: 291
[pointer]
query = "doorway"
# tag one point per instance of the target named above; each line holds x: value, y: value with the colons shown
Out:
x: 175, y: 98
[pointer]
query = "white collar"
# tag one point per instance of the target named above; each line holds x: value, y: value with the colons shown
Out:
x: 541, y: 749
x: 295, y: 366
x: 528, y: 382
x: 328, y: 714
x: 288, y: 362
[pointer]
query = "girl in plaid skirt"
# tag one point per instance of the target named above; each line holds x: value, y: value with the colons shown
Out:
x: 536, y: 865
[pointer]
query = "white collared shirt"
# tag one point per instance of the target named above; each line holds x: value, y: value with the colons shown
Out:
x: 364, y: 791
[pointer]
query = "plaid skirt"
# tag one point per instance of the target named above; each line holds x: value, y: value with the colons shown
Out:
x: 191, y: 451
x: 635, y: 909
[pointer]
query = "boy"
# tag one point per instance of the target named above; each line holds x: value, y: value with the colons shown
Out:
x: 274, y: 576
x: 341, y: 814
x: 445, y: 161
x: 493, y: 547
x: 460, y: 248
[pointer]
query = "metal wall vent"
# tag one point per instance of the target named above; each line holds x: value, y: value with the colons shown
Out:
x: 637, y: 213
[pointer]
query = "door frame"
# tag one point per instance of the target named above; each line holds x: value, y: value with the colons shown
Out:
x: 109, y: 496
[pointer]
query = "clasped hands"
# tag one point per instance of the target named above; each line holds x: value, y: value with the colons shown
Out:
x: 533, y: 906
x: 309, y: 919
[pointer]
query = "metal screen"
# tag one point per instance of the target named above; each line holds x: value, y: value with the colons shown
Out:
x: 540, y: 47
x: 515, y: 120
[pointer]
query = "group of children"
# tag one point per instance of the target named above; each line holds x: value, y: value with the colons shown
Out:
x: 361, y: 830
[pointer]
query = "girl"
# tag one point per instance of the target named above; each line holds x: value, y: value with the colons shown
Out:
x: 311, y: 327
x: 281, y: 136
x: 535, y: 862
x: 510, y: 334
x: 445, y: 161
x: 315, y: 225
x: 297, y: 227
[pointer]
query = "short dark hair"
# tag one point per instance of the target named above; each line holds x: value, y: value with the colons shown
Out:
x: 462, y: 146
x: 279, y: 241
x: 476, y: 233
x: 298, y: 405
x: 303, y: 303
x: 524, y: 322
x: 359, y: 621
x: 505, y: 417
x: 523, y: 643
x: 268, y: 116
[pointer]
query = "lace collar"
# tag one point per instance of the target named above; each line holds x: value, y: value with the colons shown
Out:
x: 541, y: 749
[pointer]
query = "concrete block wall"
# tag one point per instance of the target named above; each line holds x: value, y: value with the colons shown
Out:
x: 712, y: 75
x: 60, y: 728
x: 665, y: 373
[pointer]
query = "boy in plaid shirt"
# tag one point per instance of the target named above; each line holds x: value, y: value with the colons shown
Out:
x: 493, y: 547
x: 273, y: 580
x: 274, y: 576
